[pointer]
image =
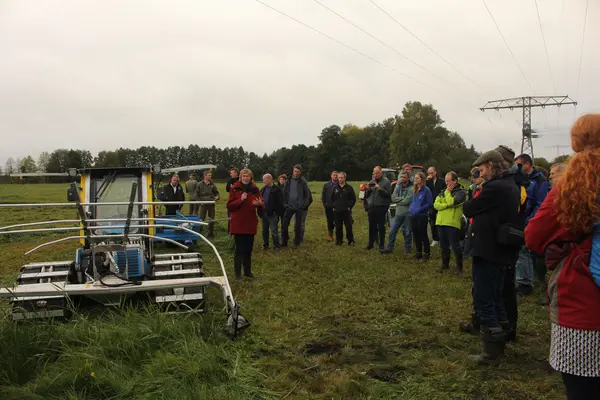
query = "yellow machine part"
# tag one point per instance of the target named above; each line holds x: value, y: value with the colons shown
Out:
x: 150, y: 198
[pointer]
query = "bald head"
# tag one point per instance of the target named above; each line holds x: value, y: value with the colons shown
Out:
x: 377, y: 172
x: 268, y: 179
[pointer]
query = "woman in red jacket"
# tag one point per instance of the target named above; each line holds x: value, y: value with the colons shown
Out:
x: 562, y: 229
x: 243, y: 204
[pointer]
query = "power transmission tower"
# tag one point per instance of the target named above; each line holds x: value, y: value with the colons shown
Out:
x: 557, y: 147
x: 527, y: 103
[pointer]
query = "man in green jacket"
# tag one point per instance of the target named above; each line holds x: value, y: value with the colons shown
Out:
x: 401, y: 197
x: 377, y: 198
x: 449, y: 204
x: 207, y: 191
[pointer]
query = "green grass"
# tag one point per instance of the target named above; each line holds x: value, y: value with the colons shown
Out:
x: 327, y: 323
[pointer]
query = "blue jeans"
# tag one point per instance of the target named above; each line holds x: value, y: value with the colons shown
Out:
x: 524, y: 267
x: 488, y: 282
x: 269, y: 223
x: 398, y: 222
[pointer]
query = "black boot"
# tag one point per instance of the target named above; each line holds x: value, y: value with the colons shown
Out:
x: 418, y: 256
x: 445, y: 260
x: 459, y: 264
x: 510, y: 333
x: 237, y: 266
x: 472, y: 327
x: 493, y: 347
x: 248, y: 266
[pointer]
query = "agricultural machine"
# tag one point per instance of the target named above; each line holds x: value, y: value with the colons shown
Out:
x: 120, y: 255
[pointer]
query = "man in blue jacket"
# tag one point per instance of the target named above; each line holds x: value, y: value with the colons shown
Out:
x: 536, y: 193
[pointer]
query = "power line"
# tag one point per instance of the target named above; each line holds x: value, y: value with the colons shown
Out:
x: 507, y: 46
x: 582, y: 42
x: 423, y: 43
x: 348, y: 47
x: 545, y: 47
x: 388, y: 46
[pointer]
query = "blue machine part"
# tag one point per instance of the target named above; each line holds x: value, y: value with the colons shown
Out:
x: 178, y: 234
x: 130, y: 261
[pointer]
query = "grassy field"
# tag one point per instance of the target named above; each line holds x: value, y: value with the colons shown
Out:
x: 328, y: 322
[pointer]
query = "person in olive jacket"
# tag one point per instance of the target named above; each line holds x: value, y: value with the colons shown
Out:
x: 206, y: 190
x: 343, y: 199
x: 272, y: 196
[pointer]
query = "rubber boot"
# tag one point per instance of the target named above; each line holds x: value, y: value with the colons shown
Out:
x: 248, y: 266
x: 472, y: 327
x: 445, y: 260
x: 493, y: 347
x: 459, y: 264
x: 510, y: 333
x: 237, y: 266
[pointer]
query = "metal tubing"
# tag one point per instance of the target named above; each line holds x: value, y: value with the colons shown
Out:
x: 88, y: 289
x: 74, y: 221
x: 108, y: 203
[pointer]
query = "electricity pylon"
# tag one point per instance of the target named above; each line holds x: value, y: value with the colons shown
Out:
x: 527, y: 103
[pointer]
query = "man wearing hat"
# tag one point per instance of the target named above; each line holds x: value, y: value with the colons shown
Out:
x: 493, y: 209
x: 296, y: 199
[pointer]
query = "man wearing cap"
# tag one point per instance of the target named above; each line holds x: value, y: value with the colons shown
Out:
x: 495, y: 207
x: 296, y: 199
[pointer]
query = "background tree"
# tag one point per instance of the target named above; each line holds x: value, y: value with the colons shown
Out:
x: 27, y: 165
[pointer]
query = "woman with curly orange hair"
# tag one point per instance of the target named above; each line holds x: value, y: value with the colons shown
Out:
x: 563, y: 229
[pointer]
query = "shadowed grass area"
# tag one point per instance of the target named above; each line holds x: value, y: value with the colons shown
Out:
x: 327, y: 322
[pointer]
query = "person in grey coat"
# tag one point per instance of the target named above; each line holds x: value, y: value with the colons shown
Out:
x: 296, y: 199
x: 377, y: 201
x: 402, y: 197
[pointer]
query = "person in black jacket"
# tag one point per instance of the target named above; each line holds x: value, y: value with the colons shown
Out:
x: 343, y: 199
x: 326, y: 200
x: 173, y: 192
x: 493, y: 209
x: 436, y: 185
x: 297, y: 197
x: 234, y: 177
x: 273, y: 209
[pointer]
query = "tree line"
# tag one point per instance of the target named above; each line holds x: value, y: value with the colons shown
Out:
x: 416, y: 136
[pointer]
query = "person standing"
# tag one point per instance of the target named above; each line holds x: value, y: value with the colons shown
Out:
x: 402, y: 197
x: 245, y: 205
x: 326, y: 199
x: 556, y: 171
x: 273, y: 208
x: 296, y: 195
x: 305, y: 216
x: 207, y: 191
x: 421, y: 203
x: 448, y: 205
x: 564, y: 229
x: 536, y: 193
x: 233, y: 178
x: 343, y: 199
x: 281, y: 180
x: 377, y: 197
x: 190, y: 189
x: 173, y: 192
x: 495, y: 207
x: 436, y: 186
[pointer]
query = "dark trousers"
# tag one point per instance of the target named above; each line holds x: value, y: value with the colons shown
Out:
x: 419, y: 230
x: 269, y: 223
x: 343, y: 218
x: 285, y: 234
x: 509, y: 297
x: 448, y: 236
x: 488, y: 280
x: 434, y: 228
x: 330, y: 219
x: 171, y: 210
x: 210, y: 210
x: 377, y: 225
x: 581, y: 387
x: 244, y: 245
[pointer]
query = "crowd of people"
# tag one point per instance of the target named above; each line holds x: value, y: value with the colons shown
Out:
x: 513, y: 223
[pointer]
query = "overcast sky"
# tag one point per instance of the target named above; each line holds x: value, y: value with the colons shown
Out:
x: 106, y: 74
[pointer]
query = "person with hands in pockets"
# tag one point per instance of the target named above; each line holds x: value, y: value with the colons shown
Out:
x: 448, y: 205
